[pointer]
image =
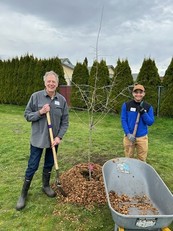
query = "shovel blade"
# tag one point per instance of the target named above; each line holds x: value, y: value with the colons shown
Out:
x: 60, y: 189
x: 58, y: 184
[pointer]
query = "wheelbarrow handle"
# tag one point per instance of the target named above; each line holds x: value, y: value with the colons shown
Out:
x: 51, y: 140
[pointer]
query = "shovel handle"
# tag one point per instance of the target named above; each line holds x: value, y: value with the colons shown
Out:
x: 136, y: 124
x: 51, y: 140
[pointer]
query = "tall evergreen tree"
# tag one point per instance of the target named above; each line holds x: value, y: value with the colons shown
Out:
x: 120, y: 85
x: 149, y: 77
x: 168, y: 77
x: 39, y: 71
x: 14, y: 80
x: 24, y: 79
x: 98, y: 86
x: 166, y: 108
x: 79, y: 94
x: 1, y: 79
x: 57, y: 67
x: 3, y: 65
x: 85, y: 61
x: 7, y: 82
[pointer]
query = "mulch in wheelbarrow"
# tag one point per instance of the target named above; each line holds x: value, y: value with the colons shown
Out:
x: 82, y: 186
x: 124, y: 203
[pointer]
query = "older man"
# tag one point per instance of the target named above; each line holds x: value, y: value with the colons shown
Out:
x: 41, y: 102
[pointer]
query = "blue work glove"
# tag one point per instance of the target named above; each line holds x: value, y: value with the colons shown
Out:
x: 131, y: 137
x: 141, y: 109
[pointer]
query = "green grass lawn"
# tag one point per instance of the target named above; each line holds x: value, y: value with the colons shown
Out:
x: 45, y: 214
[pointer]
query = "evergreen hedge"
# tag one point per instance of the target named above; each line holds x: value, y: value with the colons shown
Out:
x: 20, y: 77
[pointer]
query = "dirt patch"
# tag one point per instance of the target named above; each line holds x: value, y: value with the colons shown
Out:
x: 84, y: 185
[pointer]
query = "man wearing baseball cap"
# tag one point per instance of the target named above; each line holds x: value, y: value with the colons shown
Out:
x: 136, y: 132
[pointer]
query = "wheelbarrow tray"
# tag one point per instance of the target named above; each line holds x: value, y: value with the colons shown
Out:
x: 134, y: 177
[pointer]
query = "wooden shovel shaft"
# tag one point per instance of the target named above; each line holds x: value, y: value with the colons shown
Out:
x: 51, y: 140
x: 136, y: 124
x: 134, y: 133
x: 58, y: 184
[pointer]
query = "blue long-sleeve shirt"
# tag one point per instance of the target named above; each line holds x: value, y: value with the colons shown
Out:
x: 129, y: 114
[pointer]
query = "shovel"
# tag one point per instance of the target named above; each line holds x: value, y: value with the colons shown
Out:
x: 136, y: 124
x: 58, y: 184
x: 135, y: 130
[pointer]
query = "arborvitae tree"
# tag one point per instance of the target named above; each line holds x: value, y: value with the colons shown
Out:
x: 85, y: 61
x: 93, y: 74
x: 1, y: 79
x: 168, y: 77
x: 166, y: 108
x: 79, y: 94
x: 149, y: 77
x: 38, y: 83
x: 31, y: 73
x: 120, y: 85
x: 57, y: 67
x: 98, y: 86
x: 14, y: 80
x: 22, y: 80
x: 3, y: 65
x: 7, y: 82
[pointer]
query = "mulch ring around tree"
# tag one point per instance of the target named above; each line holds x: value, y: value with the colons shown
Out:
x: 83, y: 184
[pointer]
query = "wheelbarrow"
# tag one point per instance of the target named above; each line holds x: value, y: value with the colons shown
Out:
x: 137, y: 179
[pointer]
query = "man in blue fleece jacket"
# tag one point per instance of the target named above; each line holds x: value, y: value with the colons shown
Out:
x: 129, y: 114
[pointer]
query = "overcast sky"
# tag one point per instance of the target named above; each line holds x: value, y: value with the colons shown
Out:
x: 125, y: 29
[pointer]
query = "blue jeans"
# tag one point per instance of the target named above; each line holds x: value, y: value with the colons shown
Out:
x: 34, y: 160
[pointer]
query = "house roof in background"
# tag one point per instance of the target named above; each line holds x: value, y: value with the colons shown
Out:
x: 66, y: 62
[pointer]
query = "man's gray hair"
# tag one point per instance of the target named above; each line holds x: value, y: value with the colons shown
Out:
x: 51, y: 73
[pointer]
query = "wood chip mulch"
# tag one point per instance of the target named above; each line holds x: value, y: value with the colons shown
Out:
x: 124, y: 203
x: 84, y: 185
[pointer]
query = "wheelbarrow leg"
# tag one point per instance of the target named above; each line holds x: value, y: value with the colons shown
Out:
x: 166, y: 229
x: 120, y: 229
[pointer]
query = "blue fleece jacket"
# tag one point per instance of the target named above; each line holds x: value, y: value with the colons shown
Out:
x: 129, y: 114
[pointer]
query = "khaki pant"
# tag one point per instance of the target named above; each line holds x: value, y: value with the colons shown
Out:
x: 140, y: 146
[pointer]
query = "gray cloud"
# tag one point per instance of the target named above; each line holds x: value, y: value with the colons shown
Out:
x: 130, y: 29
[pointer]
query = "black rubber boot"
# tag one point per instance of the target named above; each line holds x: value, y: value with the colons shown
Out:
x: 22, y: 199
x: 46, y: 187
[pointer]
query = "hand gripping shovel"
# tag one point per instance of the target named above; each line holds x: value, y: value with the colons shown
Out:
x: 58, y: 184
